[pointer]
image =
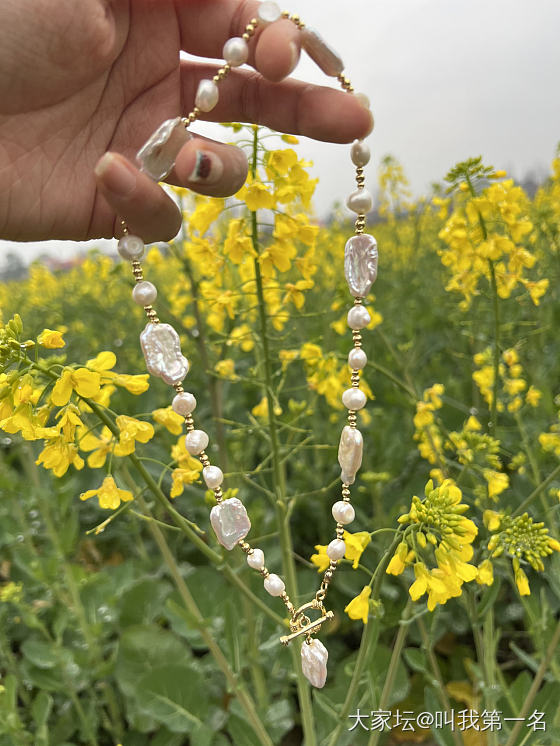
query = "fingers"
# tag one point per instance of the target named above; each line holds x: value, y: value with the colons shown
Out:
x: 148, y: 211
x: 291, y: 106
x: 210, y: 168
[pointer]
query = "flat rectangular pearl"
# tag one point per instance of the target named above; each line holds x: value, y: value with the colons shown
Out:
x: 314, y: 658
x: 350, y: 450
x: 360, y: 264
x: 230, y: 522
x: 157, y: 156
x: 162, y: 351
x: 321, y: 53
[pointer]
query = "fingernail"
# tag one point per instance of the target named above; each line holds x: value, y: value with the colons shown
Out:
x: 208, y: 167
x: 363, y: 100
x: 294, y: 54
x: 117, y: 176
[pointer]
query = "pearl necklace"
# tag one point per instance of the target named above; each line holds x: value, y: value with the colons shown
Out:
x: 162, y: 350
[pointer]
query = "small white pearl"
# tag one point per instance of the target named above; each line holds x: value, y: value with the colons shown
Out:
x: 363, y: 99
x: 131, y: 247
x: 274, y: 585
x: 360, y: 201
x: 360, y: 153
x: 269, y: 12
x: 213, y: 476
x: 184, y: 403
x: 256, y: 559
x: 358, y: 317
x: 196, y: 441
x: 206, y: 95
x: 357, y: 358
x: 235, y: 51
x: 336, y: 549
x: 343, y: 512
x: 144, y: 293
x: 354, y: 399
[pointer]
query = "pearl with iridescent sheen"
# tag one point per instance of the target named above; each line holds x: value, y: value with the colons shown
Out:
x: 358, y: 317
x: 196, y: 441
x: 343, y: 512
x: 131, y: 247
x: 183, y: 403
x: 360, y: 153
x: 255, y: 560
x: 360, y: 201
x: 144, y: 293
x: 269, y: 12
x: 213, y: 476
x: 274, y: 585
x: 206, y: 95
x: 357, y: 358
x: 336, y: 549
x: 236, y: 51
x: 354, y: 399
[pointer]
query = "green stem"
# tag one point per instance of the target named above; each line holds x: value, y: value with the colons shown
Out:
x: 537, y: 491
x: 489, y: 665
x: 393, y: 666
x: 236, y: 685
x: 279, y: 476
x: 496, y: 313
x: 535, y: 686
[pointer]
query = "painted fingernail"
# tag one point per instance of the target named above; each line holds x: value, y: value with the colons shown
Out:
x: 208, y: 167
x: 116, y: 174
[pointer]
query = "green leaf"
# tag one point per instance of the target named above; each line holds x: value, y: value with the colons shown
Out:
x: 41, y: 708
x: 41, y: 654
x: 174, y: 695
x: 416, y: 659
x: 143, y: 602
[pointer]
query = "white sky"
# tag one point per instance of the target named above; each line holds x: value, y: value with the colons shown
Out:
x: 448, y: 79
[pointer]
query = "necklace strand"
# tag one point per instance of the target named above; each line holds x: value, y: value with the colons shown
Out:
x: 161, y: 346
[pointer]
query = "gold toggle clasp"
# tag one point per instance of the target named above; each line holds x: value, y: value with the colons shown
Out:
x: 301, y: 624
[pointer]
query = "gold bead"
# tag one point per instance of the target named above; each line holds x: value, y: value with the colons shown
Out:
x: 246, y: 36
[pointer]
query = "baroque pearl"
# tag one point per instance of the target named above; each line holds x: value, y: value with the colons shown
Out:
x: 321, y: 53
x: 256, y: 559
x: 230, y: 522
x: 274, y: 585
x: 157, y: 156
x: 360, y: 264
x: 144, y: 293
x: 183, y: 403
x: 131, y: 247
x: 235, y: 51
x: 336, y: 549
x: 360, y: 201
x: 206, y: 95
x: 358, y: 317
x: 196, y: 441
x: 343, y: 512
x: 162, y: 351
x: 213, y: 476
x: 354, y: 399
x: 360, y: 153
x: 357, y: 358
x: 269, y: 12
x: 314, y: 656
x: 350, y: 450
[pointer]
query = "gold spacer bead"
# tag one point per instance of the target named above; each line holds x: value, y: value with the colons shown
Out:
x: 245, y: 546
x: 254, y: 22
x: 285, y: 14
x: 246, y: 36
x: 250, y: 28
x: 178, y: 388
x: 264, y: 572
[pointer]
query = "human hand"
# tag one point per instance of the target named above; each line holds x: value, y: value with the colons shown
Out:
x: 80, y: 79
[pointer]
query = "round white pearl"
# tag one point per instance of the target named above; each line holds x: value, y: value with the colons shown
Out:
x: 363, y: 99
x: 213, y: 476
x: 274, y: 585
x: 360, y: 153
x: 269, y: 12
x: 343, y: 512
x: 235, y: 51
x: 131, y: 247
x: 357, y: 358
x: 360, y: 201
x: 183, y: 404
x: 206, y: 95
x: 354, y: 399
x: 144, y: 293
x: 336, y: 549
x: 256, y: 559
x: 358, y: 317
x: 196, y: 441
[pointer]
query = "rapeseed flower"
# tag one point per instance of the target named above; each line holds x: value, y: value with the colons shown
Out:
x: 51, y: 339
x: 358, y: 608
x: 108, y: 494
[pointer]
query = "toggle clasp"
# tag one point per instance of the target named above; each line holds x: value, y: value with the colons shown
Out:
x: 301, y: 624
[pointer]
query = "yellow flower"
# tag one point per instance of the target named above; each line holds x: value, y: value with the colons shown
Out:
x: 100, y: 446
x: 169, y: 419
x: 294, y: 292
x: 533, y: 396
x: 355, y: 545
x: 109, y: 495
x: 473, y: 424
x: 11, y: 592
x: 58, y: 455
x: 280, y: 161
x: 398, y: 560
x: 491, y: 520
x: 84, y: 382
x: 358, y: 608
x: 497, y: 482
x: 238, y: 244
x: 485, y: 573
x: 181, y: 478
x: 522, y: 583
x: 257, y: 197
x: 261, y: 409
x: 226, y: 369
x: 321, y: 559
x: 132, y: 430
x: 51, y: 339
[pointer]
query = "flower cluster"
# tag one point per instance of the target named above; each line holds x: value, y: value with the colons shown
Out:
x: 515, y: 392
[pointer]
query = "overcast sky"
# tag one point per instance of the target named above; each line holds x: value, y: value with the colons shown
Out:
x: 447, y: 79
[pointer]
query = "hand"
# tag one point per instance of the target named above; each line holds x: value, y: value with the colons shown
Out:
x: 78, y: 79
